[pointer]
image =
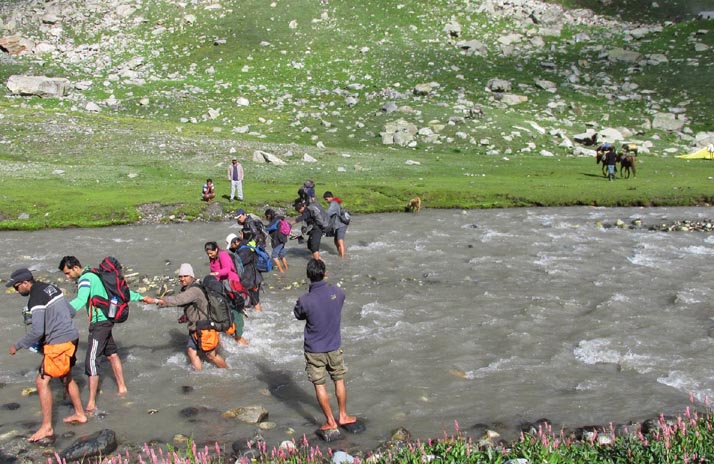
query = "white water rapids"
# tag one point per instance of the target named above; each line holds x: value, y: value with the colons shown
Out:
x: 478, y: 317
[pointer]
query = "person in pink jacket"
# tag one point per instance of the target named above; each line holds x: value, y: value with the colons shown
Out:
x: 221, y: 265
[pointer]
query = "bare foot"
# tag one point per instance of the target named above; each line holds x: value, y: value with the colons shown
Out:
x: 241, y: 341
x: 44, y: 432
x: 347, y: 420
x: 90, y: 410
x: 75, y: 419
x: 328, y: 426
x: 258, y: 307
x: 122, y: 392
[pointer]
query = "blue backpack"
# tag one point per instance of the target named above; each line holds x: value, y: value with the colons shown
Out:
x: 263, y: 263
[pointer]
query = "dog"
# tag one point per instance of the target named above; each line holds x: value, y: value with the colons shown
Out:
x: 414, y: 205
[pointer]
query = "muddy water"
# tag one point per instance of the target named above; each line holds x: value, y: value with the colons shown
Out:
x: 495, y: 317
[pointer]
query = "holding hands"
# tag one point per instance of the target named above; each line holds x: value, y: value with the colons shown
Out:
x: 153, y: 300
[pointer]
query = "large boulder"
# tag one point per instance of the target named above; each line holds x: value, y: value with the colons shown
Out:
x: 499, y: 85
x: 473, y: 47
x: 668, y: 122
x: 626, y: 56
x: 399, y: 132
x: 260, y: 156
x: 41, y: 86
x: 15, y: 44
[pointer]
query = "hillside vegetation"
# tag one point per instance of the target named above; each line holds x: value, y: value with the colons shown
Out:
x: 466, y: 103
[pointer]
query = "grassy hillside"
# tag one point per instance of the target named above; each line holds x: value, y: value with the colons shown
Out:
x: 181, y: 86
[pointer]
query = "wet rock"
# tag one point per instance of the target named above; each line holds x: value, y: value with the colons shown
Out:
x: 400, y: 434
x: 186, y: 389
x: 355, y: 427
x: 267, y: 425
x: 249, y: 415
x: 11, y: 406
x: 328, y: 435
x: 533, y: 428
x: 101, y: 443
x: 655, y: 423
x: 587, y: 433
x: 189, y: 412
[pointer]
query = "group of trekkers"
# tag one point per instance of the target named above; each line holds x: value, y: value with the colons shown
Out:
x: 233, y: 284
x: 609, y: 157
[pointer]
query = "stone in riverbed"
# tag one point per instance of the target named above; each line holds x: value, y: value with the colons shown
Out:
x: 329, y: 435
x: 249, y: 414
x: 101, y: 443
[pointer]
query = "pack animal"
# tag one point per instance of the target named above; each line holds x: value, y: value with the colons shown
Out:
x: 600, y: 158
x: 628, y: 164
x: 414, y: 205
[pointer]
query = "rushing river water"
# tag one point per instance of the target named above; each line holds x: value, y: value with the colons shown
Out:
x: 483, y: 316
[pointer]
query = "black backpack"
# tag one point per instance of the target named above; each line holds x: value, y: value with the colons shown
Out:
x: 237, y: 262
x: 219, y: 305
x: 319, y: 215
x: 112, y: 277
x: 344, y: 216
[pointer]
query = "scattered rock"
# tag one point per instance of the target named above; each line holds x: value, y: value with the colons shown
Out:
x: 329, y: 435
x: 101, y: 443
x: 249, y: 414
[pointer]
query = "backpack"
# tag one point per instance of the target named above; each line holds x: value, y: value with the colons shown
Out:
x: 112, y: 277
x: 284, y: 227
x: 319, y: 215
x: 260, y: 227
x: 219, y: 305
x: 237, y: 262
x: 344, y: 216
x: 264, y: 263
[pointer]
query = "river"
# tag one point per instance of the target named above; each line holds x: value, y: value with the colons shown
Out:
x: 494, y: 317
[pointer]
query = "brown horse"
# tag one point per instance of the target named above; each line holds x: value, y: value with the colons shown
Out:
x: 600, y: 158
x: 627, y: 163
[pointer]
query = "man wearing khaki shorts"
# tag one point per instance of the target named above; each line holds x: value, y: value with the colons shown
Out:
x: 321, y: 309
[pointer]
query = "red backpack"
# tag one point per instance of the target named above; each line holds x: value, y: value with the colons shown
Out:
x: 112, y: 277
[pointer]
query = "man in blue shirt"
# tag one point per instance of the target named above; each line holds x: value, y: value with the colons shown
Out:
x: 321, y: 309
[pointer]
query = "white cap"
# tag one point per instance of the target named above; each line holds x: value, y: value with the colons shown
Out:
x: 186, y: 270
x: 230, y: 238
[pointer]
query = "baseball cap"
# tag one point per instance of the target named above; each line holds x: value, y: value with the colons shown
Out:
x: 186, y: 270
x: 19, y: 275
x: 239, y: 212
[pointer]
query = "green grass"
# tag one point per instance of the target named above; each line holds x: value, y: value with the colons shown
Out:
x: 297, y: 80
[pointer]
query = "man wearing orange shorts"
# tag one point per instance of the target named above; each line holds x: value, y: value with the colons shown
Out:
x: 51, y: 315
